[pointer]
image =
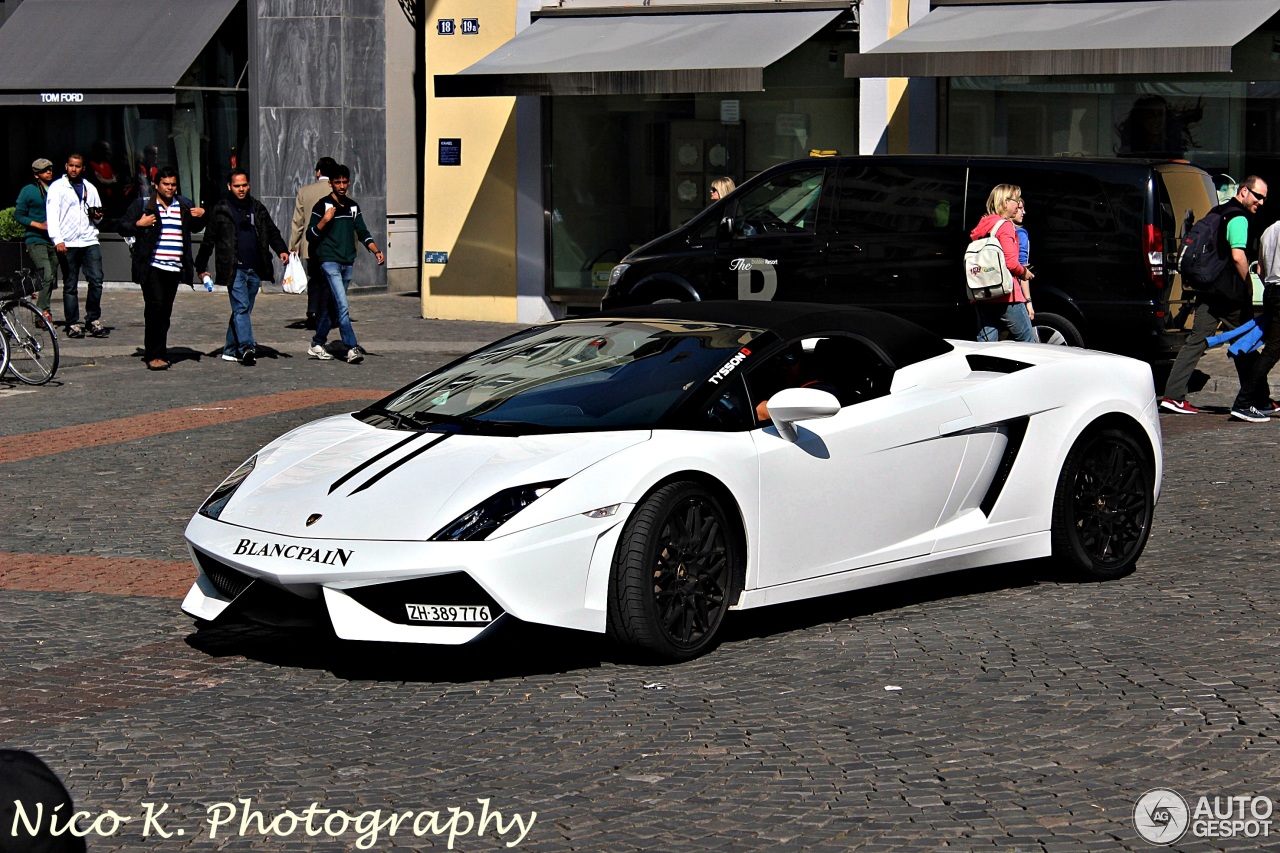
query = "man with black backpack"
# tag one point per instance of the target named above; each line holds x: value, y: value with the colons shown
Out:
x: 1213, y: 264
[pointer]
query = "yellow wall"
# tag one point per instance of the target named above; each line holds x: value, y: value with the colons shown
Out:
x: 469, y: 210
x: 897, y: 137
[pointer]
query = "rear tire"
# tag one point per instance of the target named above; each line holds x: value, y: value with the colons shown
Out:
x: 1056, y: 329
x: 673, y: 573
x: 1103, y: 504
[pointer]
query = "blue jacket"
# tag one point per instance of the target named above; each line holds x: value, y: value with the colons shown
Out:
x: 1244, y: 338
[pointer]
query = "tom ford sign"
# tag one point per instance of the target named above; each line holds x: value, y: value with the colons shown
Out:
x: 62, y: 97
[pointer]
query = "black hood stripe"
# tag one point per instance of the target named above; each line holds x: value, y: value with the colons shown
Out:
x: 365, y: 464
x: 393, y: 466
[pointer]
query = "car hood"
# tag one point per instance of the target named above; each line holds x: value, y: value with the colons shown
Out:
x: 354, y: 481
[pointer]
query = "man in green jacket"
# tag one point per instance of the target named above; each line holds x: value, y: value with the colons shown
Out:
x: 30, y: 211
x: 337, y: 227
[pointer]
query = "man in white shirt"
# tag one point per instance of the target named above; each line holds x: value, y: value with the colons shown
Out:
x: 74, y: 209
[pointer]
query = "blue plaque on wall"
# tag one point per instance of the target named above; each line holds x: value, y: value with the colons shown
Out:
x: 470, y: 26
x: 450, y: 152
x: 435, y: 257
x: 444, y: 26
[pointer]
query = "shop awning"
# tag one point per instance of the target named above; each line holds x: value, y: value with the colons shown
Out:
x: 1137, y: 37
x: 639, y: 54
x: 91, y: 52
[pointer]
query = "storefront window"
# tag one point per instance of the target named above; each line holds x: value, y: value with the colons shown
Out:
x: 202, y: 134
x: 622, y: 170
x: 1199, y: 122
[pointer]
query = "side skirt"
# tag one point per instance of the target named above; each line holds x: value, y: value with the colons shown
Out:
x: 1029, y: 547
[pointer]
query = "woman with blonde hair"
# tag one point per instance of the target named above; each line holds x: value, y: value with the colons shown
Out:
x: 721, y: 187
x: 1014, y: 312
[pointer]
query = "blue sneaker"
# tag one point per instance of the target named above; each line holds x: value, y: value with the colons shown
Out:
x: 1250, y: 414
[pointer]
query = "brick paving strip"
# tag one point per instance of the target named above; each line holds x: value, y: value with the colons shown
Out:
x: 50, y: 442
x: 135, y: 576
x: 108, y: 575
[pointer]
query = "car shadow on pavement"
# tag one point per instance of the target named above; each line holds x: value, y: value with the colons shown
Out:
x: 517, y: 649
x: 808, y: 613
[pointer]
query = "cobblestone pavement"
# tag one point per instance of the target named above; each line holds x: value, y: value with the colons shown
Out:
x: 1005, y: 708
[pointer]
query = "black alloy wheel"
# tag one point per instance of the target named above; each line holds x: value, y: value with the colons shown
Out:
x: 1103, y: 505
x: 673, y: 573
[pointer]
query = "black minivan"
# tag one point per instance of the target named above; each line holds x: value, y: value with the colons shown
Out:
x: 889, y: 232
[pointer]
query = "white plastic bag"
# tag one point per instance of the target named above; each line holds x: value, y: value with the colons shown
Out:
x: 294, y: 279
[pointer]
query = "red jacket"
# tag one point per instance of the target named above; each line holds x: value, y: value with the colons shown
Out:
x: 1008, y: 238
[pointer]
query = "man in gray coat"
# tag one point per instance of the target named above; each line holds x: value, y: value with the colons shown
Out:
x: 318, y: 297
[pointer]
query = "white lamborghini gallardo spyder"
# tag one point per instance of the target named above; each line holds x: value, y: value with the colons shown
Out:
x: 642, y: 473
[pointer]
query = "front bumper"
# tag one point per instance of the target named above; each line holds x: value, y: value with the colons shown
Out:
x: 553, y: 574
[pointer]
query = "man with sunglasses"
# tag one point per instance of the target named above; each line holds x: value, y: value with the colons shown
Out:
x: 1227, y: 301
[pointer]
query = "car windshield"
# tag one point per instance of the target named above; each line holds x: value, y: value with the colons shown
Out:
x: 575, y: 375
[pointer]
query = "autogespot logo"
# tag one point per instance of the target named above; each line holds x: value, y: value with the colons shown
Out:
x: 1161, y: 816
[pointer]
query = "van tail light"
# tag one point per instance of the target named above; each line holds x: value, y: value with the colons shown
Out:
x: 1153, y: 249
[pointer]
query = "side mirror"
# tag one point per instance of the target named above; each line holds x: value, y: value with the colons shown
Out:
x: 800, y: 404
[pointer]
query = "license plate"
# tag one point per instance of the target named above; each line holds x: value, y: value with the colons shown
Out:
x: 448, y: 613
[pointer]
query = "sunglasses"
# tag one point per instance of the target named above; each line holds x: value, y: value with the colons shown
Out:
x: 1255, y: 195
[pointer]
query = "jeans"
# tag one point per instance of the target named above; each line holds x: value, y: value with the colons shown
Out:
x: 1254, y: 388
x: 90, y: 259
x: 44, y: 259
x: 1209, y: 313
x: 158, y: 291
x: 339, y: 276
x: 318, y: 299
x: 242, y: 291
x: 1012, y: 315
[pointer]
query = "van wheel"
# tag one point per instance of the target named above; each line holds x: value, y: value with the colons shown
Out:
x: 1056, y: 329
x: 666, y: 300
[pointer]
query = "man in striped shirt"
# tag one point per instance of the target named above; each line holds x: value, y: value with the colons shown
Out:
x: 161, y: 226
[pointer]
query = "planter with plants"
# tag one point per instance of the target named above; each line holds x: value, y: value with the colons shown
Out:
x: 11, y: 233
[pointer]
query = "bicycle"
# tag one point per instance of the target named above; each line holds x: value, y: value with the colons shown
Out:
x: 30, y: 345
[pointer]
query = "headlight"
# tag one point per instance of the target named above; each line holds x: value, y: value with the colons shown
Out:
x: 217, y: 501
x: 615, y: 275
x: 487, y: 516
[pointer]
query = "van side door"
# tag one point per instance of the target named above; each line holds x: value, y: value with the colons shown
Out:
x: 897, y: 243
x: 775, y: 248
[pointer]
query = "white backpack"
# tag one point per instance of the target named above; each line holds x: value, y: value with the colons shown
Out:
x: 985, y: 272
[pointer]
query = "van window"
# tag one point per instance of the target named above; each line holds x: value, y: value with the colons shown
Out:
x: 785, y: 204
x: 900, y: 199
x: 1058, y: 201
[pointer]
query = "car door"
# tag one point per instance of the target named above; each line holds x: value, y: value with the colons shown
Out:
x: 775, y: 248
x: 897, y: 241
x: 858, y: 489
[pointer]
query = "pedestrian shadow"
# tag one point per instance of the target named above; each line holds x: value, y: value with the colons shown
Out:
x: 261, y: 351
x: 176, y: 354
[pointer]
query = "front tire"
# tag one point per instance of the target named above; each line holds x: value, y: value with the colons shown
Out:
x: 1103, y: 504
x: 673, y: 573
x: 33, y: 345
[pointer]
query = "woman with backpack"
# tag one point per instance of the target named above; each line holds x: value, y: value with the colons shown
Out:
x: 161, y: 226
x: 1013, y: 312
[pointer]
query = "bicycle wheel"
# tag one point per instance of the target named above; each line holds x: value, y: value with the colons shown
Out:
x: 33, y: 344
x: 4, y: 352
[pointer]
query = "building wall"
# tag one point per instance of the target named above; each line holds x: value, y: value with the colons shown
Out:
x: 469, y: 210
x: 317, y: 87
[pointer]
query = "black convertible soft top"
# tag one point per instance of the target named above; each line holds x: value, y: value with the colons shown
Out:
x: 901, y: 341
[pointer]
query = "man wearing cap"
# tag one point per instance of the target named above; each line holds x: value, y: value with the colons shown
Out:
x: 74, y: 210
x: 30, y: 211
